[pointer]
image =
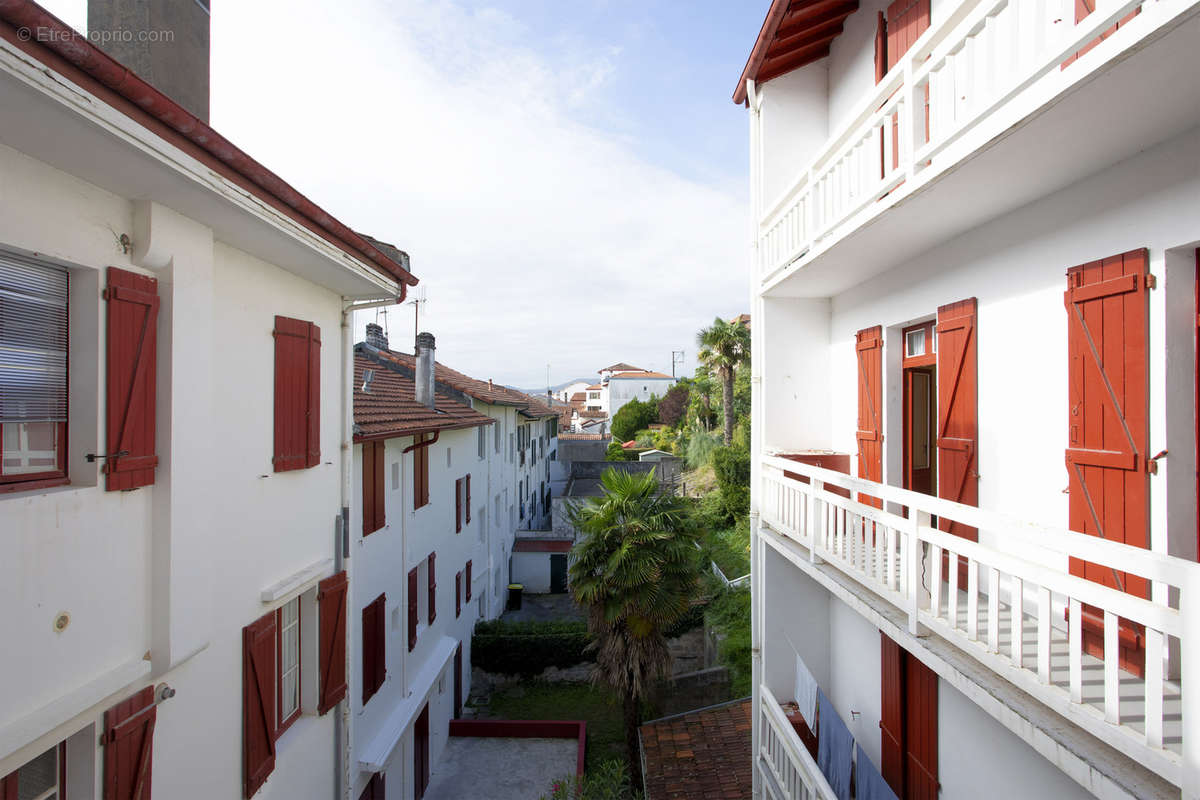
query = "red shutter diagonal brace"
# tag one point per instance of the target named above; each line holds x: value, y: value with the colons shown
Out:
x: 331, y: 602
x: 132, y: 333
x: 258, y: 701
x: 128, y: 747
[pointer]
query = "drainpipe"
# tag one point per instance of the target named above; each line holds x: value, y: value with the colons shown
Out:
x: 342, y: 744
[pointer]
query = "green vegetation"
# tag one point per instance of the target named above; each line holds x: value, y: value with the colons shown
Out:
x: 732, y: 468
x: 724, y: 347
x: 608, y: 781
x: 729, y: 615
x: 596, y: 705
x: 674, y: 404
x: 527, y: 648
x: 635, y: 571
x: 729, y: 548
x: 633, y: 417
x: 700, y: 447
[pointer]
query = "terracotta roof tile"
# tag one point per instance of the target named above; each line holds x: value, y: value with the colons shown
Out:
x: 699, y: 755
x: 486, y: 391
x: 581, y: 437
x: 621, y: 365
x: 579, y: 397
x: 389, y: 406
x: 592, y: 414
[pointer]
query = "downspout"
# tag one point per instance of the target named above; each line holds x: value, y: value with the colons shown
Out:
x: 342, y: 744
x: 754, y: 101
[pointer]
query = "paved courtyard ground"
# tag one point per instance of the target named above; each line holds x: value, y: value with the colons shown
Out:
x: 544, y: 608
x: 474, y: 768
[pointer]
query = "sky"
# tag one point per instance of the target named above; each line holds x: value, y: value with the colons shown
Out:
x: 569, y: 179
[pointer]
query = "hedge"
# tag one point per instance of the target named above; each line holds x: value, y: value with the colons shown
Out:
x: 527, y: 648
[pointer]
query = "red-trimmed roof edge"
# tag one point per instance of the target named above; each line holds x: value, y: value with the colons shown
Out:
x: 97, y: 68
x: 759, y: 52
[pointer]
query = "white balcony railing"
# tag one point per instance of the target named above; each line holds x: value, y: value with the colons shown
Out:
x: 788, y: 769
x: 982, y: 55
x: 1014, y: 608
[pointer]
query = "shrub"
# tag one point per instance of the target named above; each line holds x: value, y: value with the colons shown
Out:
x: 732, y: 468
x: 608, y: 781
x: 692, y: 618
x: 527, y: 648
x: 633, y: 417
x: 700, y: 447
x: 673, y: 405
x: 614, y: 452
x: 729, y: 615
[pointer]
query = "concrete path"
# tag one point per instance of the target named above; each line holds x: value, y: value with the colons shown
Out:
x: 474, y: 768
x: 544, y: 608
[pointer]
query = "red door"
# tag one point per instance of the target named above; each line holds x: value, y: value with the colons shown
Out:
x: 458, y: 682
x: 421, y: 754
x: 1108, y: 427
x: 869, y: 347
x: 908, y: 723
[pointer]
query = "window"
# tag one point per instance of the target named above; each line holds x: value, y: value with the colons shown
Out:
x: 39, y: 779
x: 467, y: 578
x: 33, y: 370
x: 482, y: 443
x: 593, y: 395
x: 511, y: 447
x: 374, y: 643
x: 414, y: 611
x: 297, y: 394
x: 496, y: 436
x: 467, y: 499
x: 448, y: 458
x: 373, y: 504
x: 420, y: 472
x: 458, y: 582
x: 395, y: 476
x: 432, y: 587
x: 288, y: 659
x: 458, y: 505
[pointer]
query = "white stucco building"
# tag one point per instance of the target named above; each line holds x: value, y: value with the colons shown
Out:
x: 174, y: 483
x: 974, y: 289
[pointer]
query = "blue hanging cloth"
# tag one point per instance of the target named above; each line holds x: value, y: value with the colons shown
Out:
x: 868, y: 783
x: 835, y: 748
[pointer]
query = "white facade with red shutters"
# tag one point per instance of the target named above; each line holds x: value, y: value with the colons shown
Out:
x: 175, y: 605
x: 975, y: 290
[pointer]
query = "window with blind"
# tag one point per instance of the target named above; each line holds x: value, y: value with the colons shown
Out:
x: 33, y: 370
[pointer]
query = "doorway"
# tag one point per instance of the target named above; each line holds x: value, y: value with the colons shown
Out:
x: 421, y: 754
x: 458, y: 681
x: 558, y: 573
x: 920, y: 409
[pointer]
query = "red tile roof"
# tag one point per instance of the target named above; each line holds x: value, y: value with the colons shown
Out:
x: 579, y: 397
x: 580, y: 437
x: 485, y: 391
x: 621, y: 365
x: 592, y: 414
x: 389, y: 407
x: 640, y: 374
x: 542, y: 546
x: 700, y: 755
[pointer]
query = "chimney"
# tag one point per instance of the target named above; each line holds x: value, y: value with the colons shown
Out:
x: 165, y: 42
x: 376, y: 337
x: 424, y: 372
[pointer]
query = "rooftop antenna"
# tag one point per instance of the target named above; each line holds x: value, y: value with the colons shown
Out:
x: 419, y: 300
x: 675, y: 360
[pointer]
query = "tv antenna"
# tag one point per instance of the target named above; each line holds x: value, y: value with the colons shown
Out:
x: 676, y: 358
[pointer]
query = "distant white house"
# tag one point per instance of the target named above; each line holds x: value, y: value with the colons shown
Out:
x: 635, y: 385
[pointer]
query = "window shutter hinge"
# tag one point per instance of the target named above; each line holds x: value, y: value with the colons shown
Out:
x: 1151, y: 281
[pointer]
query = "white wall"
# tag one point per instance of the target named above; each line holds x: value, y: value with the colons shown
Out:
x: 795, y: 124
x: 532, y: 570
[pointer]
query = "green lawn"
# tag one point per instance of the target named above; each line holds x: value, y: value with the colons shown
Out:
x: 537, y: 700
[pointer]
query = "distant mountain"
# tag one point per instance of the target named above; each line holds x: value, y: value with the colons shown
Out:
x: 557, y: 387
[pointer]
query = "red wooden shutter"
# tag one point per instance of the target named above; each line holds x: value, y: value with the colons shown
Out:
x: 920, y: 730
x: 432, y: 587
x: 869, y: 347
x: 374, y: 788
x: 258, y: 701
x: 413, y: 619
x: 8, y: 787
x: 129, y: 747
x: 891, y: 718
x: 420, y: 474
x: 373, y: 487
x: 297, y: 394
x: 331, y: 606
x: 458, y: 491
x: 132, y: 354
x: 467, y: 502
x: 1085, y: 7
x: 958, y: 410
x: 468, y: 581
x: 374, y: 654
x: 458, y: 594
x: 906, y: 21
x: 1108, y: 424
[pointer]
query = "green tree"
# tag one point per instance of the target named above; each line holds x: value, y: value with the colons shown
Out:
x: 724, y: 346
x: 674, y: 404
x: 731, y: 465
x: 635, y: 571
x: 633, y: 417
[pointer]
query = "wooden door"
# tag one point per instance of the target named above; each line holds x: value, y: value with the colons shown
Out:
x: 869, y: 351
x: 1108, y: 426
x: 920, y: 419
x: 908, y: 723
x: 421, y: 754
x: 558, y: 573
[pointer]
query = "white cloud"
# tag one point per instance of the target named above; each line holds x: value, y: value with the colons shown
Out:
x: 539, y: 239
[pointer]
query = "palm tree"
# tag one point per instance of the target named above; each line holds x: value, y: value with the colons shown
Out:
x: 635, y: 572
x: 724, y: 346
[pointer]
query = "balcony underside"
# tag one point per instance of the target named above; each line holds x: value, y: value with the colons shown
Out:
x: 1032, y: 146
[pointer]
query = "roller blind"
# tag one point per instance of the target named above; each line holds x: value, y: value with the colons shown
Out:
x: 33, y: 340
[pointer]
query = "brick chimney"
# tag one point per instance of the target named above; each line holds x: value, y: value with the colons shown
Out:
x: 376, y: 337
x: 425, y: 367
x: 164, y: 41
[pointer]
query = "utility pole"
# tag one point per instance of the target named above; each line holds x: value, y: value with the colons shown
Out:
x: 676, y: 358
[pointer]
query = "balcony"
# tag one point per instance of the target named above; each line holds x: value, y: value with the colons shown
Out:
x: 1008, y: 604
x: 788, y: 769
x: 997, y: 105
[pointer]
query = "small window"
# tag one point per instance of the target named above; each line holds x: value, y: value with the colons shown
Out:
x: 915, y: 343
x: 919, y: 345
x: 482, y: 442
x: 496, y: 437
x: 288, y: 661
x: 33, y: 370
x: 39, y: 779
x: 395, y: 476
x: 447, y: 458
